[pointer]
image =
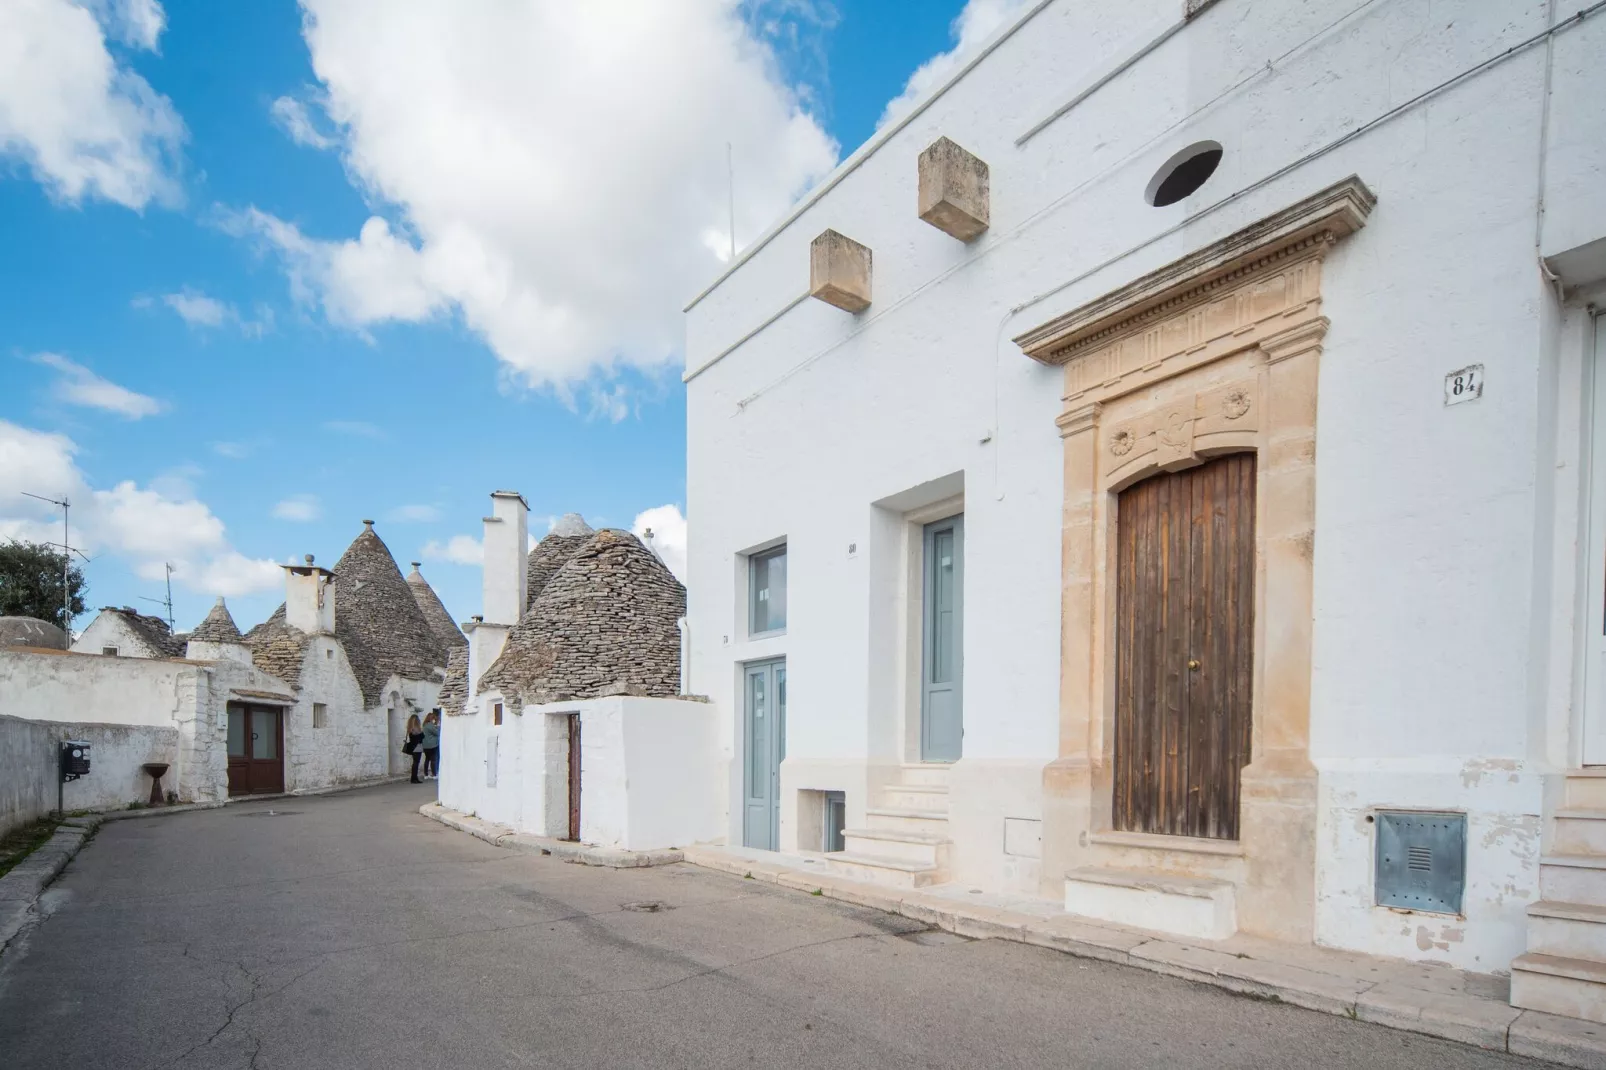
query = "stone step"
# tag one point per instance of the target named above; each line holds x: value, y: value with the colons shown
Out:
x: 925, y: 773
x: 1579, y: 831
x: 1194, y: 907
x: 1585, y: 789
x: 1569, y: 930
x: 889, y: 872
x: 926, y: 848
x: 933, y: 821
x: 1559, y: 984
x: 1567, y: 878
x: 915, y: 797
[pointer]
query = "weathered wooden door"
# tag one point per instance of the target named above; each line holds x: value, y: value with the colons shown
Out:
x: 1185, y: 581
x: 256, y: 750
x: 574, y: 777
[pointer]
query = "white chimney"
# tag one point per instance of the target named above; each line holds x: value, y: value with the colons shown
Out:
x: 309, y: 597
x: 507, y: 536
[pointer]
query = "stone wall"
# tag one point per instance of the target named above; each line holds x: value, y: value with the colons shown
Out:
x: 28, y: 751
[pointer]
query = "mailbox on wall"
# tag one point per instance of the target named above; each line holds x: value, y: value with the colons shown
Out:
x: 74, y: 759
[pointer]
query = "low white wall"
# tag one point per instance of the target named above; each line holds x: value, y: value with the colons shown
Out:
x: 28, y: 750
x: 59, y: 686
x: 649, y: 770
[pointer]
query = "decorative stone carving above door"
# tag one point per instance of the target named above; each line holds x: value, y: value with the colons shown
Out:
x: 1213, y: 354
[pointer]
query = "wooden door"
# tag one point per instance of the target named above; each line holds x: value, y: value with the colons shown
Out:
x: 764, y: 750
x: 1185, y: 568
x: 574, y: 777
x: 256, y: 750
x: 942, y: 719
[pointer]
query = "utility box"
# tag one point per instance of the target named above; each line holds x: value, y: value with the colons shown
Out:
x: 74, y: 759
x: 1421, y: 860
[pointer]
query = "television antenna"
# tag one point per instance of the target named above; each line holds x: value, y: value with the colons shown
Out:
x: 67, y: 549
x: 165, y: 602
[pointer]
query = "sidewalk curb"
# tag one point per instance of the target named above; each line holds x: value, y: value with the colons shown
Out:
x: 21, y: 886
x: 1458, y: 1016
x: 564, y: 850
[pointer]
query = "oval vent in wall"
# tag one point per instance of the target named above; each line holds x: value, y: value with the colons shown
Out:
x: 1184, y: 173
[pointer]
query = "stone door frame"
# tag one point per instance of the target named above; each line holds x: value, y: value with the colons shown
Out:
x: 1215, y: 353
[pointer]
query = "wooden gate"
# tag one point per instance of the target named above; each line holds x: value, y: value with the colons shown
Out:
x: 1185, y: 575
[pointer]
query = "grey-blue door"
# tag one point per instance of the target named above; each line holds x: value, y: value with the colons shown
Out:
x: 942, y: 722
x: 764, y: 698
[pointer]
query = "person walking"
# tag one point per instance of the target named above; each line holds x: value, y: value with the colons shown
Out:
x: 414, y: 744
x: 432, y: 745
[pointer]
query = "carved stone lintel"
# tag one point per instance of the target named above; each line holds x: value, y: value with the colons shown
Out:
x: 1301, y: 338
x: 1075, y: 421
x: 1311, y: 224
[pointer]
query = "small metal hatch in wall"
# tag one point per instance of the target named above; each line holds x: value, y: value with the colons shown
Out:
x: 1421, y: 860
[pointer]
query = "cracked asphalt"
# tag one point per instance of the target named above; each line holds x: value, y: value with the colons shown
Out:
x: 347, y: 931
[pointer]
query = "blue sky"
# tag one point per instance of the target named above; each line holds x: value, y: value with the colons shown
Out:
x: 272, y: 270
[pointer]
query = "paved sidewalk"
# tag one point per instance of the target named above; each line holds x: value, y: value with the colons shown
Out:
x: 1439, y: 1001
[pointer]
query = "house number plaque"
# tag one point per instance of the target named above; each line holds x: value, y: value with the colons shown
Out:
x: 1465, y: 384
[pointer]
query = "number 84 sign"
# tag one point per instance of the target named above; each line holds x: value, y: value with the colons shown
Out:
x: 1465, y: 384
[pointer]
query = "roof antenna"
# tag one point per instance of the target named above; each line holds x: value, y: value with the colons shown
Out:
x: 168, y: 601
x: 67, y: 550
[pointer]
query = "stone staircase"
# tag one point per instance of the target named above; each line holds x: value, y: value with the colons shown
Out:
x: 905, y: 842
x: 1564, y: 970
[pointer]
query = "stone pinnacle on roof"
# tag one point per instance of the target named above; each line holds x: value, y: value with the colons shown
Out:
x: 378, y: 621
x: 434, y: 610
x: 218, y: 627
x: 568, y: 535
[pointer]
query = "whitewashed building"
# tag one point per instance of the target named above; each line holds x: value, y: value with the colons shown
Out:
x: 1162, y: 472
x: 566, y: 720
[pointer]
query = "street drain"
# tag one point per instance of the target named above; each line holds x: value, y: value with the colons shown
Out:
x: 934, y: 938
x: 268, y: 813
x: 650, y: 906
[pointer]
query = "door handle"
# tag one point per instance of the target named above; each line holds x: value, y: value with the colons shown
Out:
x: 1193, y: 664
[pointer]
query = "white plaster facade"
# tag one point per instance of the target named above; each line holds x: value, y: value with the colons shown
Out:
x: 1446, y: 596
x: 110, y: 631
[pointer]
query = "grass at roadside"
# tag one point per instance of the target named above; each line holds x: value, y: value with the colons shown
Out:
x: 23, y: 840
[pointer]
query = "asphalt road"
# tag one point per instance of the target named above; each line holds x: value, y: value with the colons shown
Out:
x: 347, y: 931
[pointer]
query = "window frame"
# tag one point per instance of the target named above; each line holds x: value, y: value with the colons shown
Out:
x: 768, y: 553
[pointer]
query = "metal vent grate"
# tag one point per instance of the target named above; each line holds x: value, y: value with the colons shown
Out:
x: 1421, y: 860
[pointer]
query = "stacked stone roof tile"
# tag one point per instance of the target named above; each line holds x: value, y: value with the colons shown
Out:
x: 153, y: 630
x: 31, y: 632
x: 605, y: 623
x: 434, y: 610
x: 377, y: 620
x: 454, y: 692
x: 218, y: 627
x: 567, y: 537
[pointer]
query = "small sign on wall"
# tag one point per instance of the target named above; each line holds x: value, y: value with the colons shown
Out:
x: 1464, y: 384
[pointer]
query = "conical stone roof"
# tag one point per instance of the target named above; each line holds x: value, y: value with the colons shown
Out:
x: 606, y: 623
x: 378, y: 621
x: 31, y: 632
x: 454, y: 692
x: 566, y: 539
x: 218, y: 627
x: 434, y: 610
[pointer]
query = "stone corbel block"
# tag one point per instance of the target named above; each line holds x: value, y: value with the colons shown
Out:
x: 839, y: 271
x: 954, y: 190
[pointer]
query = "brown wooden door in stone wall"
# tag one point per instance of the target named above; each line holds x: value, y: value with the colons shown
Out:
x: 1185, y: 567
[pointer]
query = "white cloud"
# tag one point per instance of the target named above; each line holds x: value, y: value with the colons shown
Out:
x: 355, y: 428
x: 459, y: 549
x: 199, y: 310
x: 978, y: 21
x: 84, y: 124
x: 144, y: 526
x: 548, y: 172
x: 234, y: 451
x: 80, y: 386
x: 668, y: 528
x: 413, y: 514
x: 300, y: 509
x: 292, y: 116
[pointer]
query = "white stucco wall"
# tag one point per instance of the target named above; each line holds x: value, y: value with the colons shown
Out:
x: 28, y: 754
x: 1434, y: 628
x: 648, y: 769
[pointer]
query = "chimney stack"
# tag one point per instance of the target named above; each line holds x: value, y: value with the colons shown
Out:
x: 309, y: 597
x: 507, y: 537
